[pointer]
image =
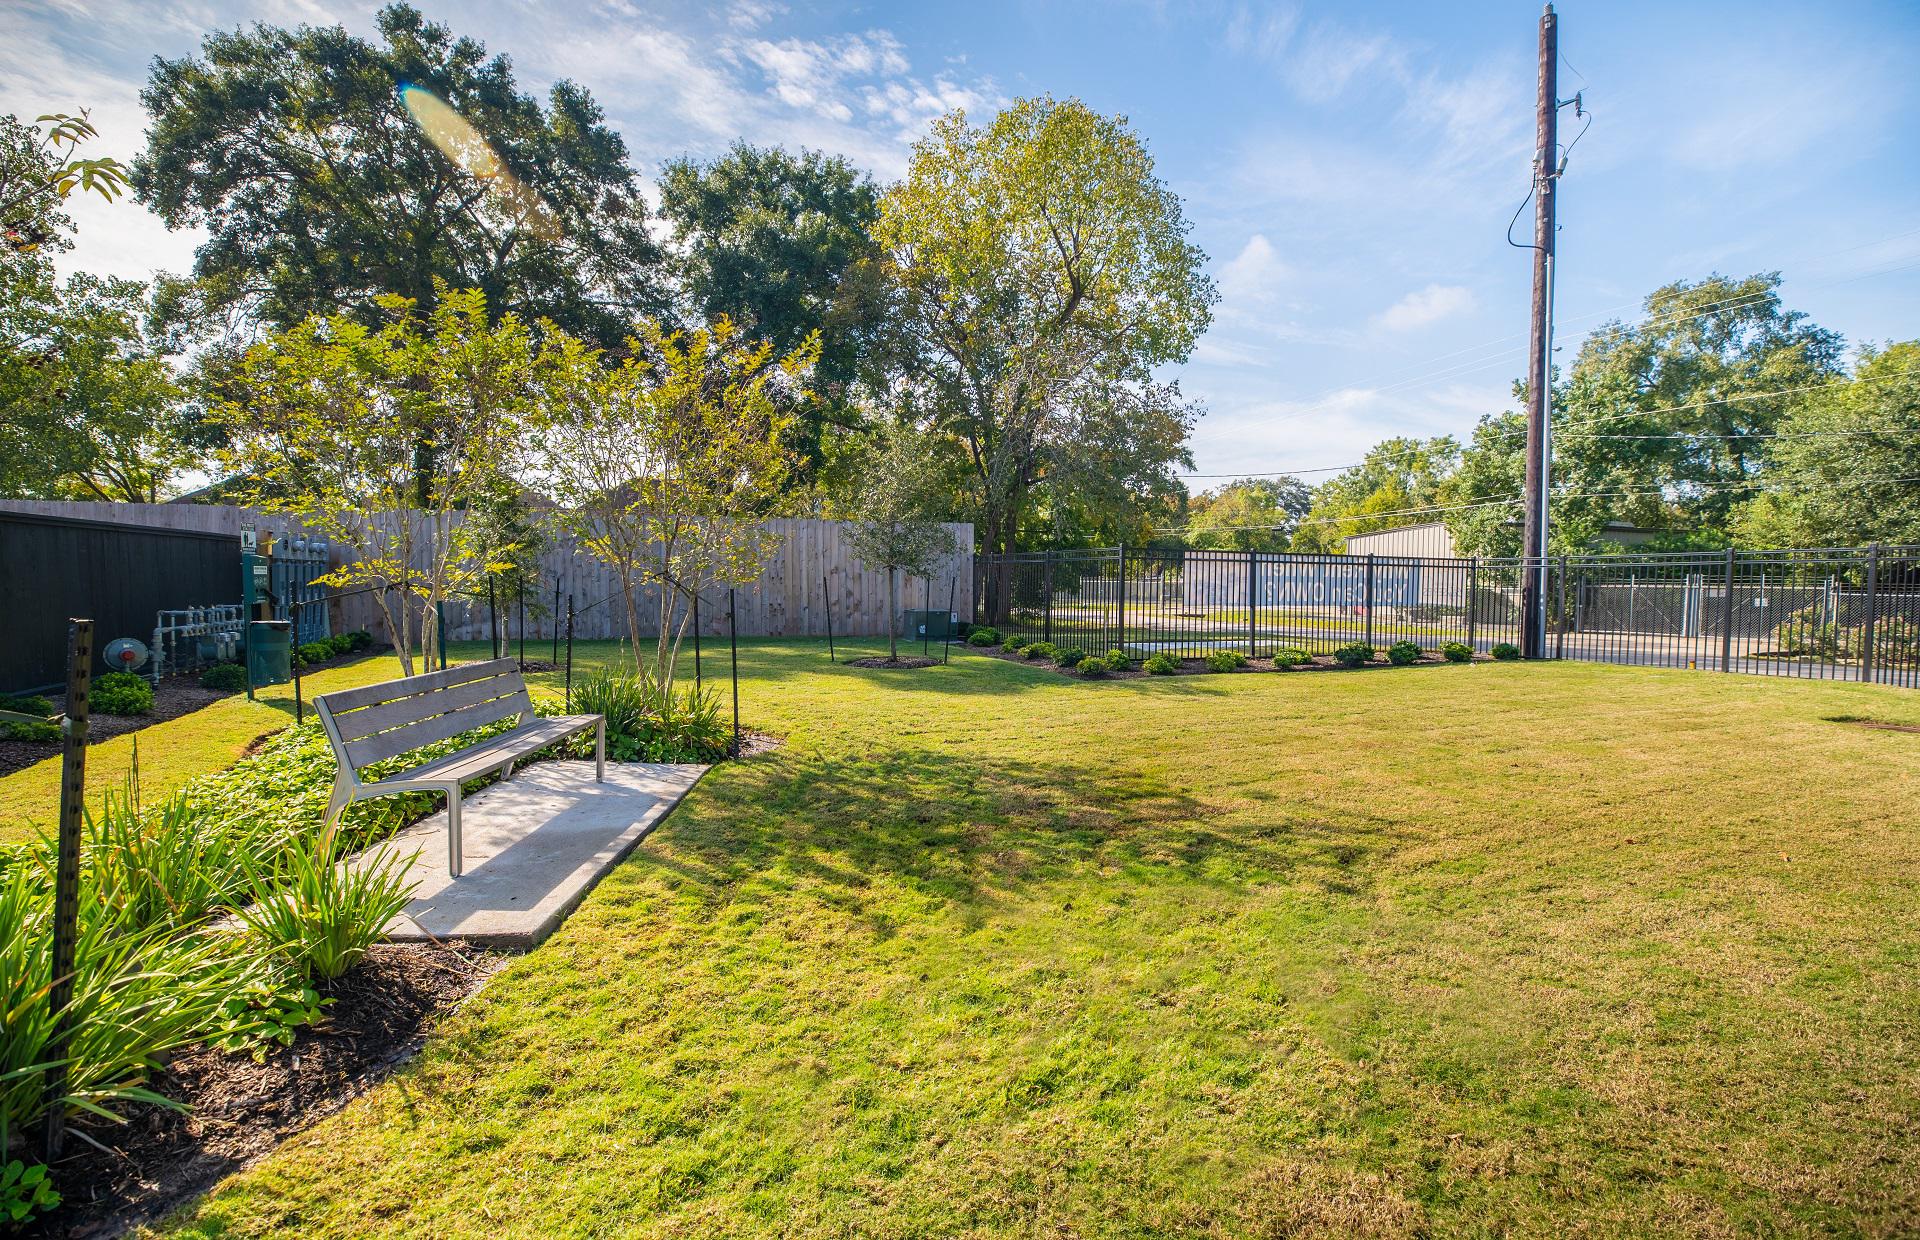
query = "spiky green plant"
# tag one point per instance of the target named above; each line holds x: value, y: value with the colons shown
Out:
x: 320, y: 916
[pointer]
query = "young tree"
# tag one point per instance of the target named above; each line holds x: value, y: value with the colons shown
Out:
x: 666, y: 465
x: 326, y: 425
x: 1047, y: 272
x: 897, y: 527
x: 322, y: 188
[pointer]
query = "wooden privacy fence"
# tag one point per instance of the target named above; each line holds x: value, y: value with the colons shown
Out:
x: 789, y: 599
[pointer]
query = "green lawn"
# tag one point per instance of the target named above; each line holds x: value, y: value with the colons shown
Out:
x: 173, y: 752
x: 1460, y: 950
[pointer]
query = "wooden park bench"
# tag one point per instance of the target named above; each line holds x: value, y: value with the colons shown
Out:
x: 377, y: 722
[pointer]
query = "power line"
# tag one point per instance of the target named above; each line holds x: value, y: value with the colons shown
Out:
x: 1511, y: 432
x: 1755, y: 484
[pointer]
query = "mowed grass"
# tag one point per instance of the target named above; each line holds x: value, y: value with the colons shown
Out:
x: 1458, y: 950
x: 170, y: 753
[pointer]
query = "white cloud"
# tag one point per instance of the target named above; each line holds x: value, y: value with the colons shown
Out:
x: 1253, y: 275
x: 813, y: 75
x: 1426, y: 306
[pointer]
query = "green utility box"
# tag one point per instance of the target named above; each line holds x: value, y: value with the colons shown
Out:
x: 269, y: 653
x: 934, y: 626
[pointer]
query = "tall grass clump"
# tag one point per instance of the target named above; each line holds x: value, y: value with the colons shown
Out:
x: 162, y: 867
x: 651, y: 722
x: 138, y: 995
x: 320, y: 916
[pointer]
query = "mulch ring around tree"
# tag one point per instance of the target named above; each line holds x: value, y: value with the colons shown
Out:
x: 904, y: 662
x: 240, y: 1110
x: 1198, y: 667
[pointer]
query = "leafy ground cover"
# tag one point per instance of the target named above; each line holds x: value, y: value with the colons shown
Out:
x: 174, y: 751
x: 1488, y: 949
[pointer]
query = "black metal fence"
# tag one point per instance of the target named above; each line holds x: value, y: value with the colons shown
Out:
x: 1849, y: 614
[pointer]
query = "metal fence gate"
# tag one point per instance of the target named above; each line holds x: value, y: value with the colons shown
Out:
x: 1840, y: 614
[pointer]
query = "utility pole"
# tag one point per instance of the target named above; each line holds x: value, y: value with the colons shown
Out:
x: 1533, y: 589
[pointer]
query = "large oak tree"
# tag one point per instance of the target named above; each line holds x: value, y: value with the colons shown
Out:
x: 296, y: 150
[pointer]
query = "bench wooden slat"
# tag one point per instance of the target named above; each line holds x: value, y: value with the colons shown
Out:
x: 411, y: 686
x: 368, y: 720
x: 397, y: 741
x: 480, y: 758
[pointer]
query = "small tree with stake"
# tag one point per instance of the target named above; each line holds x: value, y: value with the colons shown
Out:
x: 896, y: 527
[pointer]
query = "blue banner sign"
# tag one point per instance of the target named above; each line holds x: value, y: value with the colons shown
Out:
x: 1336, y: 583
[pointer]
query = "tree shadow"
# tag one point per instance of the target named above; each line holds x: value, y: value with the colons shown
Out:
x: 979, y: 833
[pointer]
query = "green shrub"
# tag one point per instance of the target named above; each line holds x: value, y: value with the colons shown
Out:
x: 339, y: 643
x: 1039, y: 650
x: 25, y: 1192
x: 359, y: 639
x: 1161, y: 663
x: 1290, y: 656
x: 1092, y: 667
x: 1402, y: 653
x: 1457, y: 652
x: 1118, y: 660
x: 24, y: 731
x: 1354, y: 654
x: 984, y: 636
x: 27, y: 705
x: 310, y: 653
x: 1506, y: 651
x: 1069, y: 656
x: 1012, y: 643
x: 646, y: 722
x: 1226, y: 661
x: 226, y: 677
x: 321, y: 918
x: 121, y: 693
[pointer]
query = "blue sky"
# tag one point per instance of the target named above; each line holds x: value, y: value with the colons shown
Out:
x: 1349, y: 168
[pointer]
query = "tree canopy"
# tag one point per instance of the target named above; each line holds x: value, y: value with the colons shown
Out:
x: 1396, y: 479
x: 1046, y: 272
x: 782, y: 245
x: 1248, y: 514
x: 322, y: 189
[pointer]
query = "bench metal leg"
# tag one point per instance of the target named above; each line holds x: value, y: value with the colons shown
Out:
x: 337, y: 803
x: 600, y: 752
x: 453, y: 830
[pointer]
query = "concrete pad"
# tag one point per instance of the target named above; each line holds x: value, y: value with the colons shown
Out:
x: 533, y: 847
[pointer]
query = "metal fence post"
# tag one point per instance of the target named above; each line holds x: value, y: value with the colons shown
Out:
x: 1473, y: 597
x: 1253, y: 605
x: 1120, y: 604
x: 1560, y: 638
x: 1367, y: 603
x: 1049, y: 597
x: 569, y: 652
x: 1726, y: 635
x: 66, y: 880
x: 1873, y: 611
x: 733, y: 643
x: 698, y: 683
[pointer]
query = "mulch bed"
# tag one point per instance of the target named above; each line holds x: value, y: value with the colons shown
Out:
x: 240, y: 1110
x: 1198, y: 667
x: 1879, y: 725
x: 905, y: 662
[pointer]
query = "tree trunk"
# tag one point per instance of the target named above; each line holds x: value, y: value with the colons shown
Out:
x: 893, y: 628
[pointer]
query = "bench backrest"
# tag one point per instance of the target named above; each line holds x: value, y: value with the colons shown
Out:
x: 388, y: 719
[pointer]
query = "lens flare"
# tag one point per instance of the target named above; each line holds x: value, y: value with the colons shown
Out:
x: 459, y: 141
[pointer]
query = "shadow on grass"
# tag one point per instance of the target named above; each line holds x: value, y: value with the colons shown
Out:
x: 979, y: 832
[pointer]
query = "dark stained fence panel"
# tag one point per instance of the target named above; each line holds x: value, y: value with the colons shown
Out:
x: 53, y: 568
